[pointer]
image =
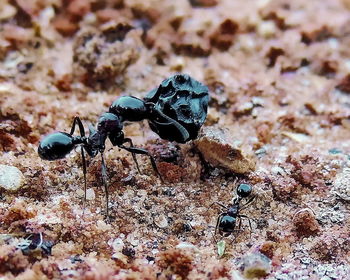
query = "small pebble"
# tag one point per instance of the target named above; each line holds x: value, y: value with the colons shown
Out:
x: 218, y: 148
x: 255, y: 265
x: 186, y: 245
x: 341, y: 186
x: 305, y: 223
x: 11, y: 178
x: 90, y: 194
x: 161, y: 221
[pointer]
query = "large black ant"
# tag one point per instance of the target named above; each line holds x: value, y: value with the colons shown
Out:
x: 175, y: 110
x: 226, y: 222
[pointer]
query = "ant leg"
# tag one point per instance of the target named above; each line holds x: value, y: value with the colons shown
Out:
x: 84, y: 172
x: 77, y: 121
x: 143, y: 152
x: 237, y: 230
x: 104, y: 179
x: 217, y: 226
x: 128, y: 140
x: 218, y: 203
x: 250, y: 224
x: 245, y: 205
x: 240, y: 223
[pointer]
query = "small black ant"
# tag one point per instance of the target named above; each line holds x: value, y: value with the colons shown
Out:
x: 35, y: 241
x: 226, y: 222
x: 175, y: 110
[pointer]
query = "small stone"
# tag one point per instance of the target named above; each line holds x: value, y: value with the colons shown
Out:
x: 7, y: 11
x: 216, y: 149
x: 266, y: 28
x: 117, y: 245
x: 305, y: 223
x: 120, y: 257
x: 341, y: 186
x: 161, y: 221
x: 186, y: 245
x: 297, y: 137
x: 90, y: 194
x: 255, y: 265
x: 11, y: 178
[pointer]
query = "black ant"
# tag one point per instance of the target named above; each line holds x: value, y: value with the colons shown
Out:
x: 226, y: 222
x: 175, y: 110
x: 35, y: 241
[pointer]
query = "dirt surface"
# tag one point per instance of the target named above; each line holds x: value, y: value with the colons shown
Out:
x: 279, y: 80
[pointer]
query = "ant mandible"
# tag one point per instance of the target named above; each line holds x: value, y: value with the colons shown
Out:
x: 226, y: 222
x: 175, y: 110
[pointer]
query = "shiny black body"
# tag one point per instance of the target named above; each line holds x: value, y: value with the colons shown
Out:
x: 182, y: 99
x: 226, y: 222
x: 176, y: 110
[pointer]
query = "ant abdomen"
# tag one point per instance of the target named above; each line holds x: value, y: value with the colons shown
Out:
x: 227, y: 224
x: 56, y: 146
x: 129, y: 108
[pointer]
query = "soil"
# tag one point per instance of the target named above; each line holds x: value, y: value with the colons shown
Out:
x: 279, y: 119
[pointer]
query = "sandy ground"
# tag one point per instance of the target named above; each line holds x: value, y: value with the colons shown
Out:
x: 279, y: 120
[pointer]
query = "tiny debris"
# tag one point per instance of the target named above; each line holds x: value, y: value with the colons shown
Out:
x: 328, y: 247
x: 305, y: 223
x: 341, y: 186
x: 298, y: 137
x: 203, y: 3
x: 186, y: 245
x: 255, y: 265
x: 221, y: 248
x: 11, y: 178
x: 120, y: 257
x: 129, y: 252
x: 161, y: 221
x: 334, y: 151
x: 344, y: 84
x: 218, y: 150
x: 90, y: 194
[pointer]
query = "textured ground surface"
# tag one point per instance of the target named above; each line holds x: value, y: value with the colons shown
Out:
x: 278, y: 73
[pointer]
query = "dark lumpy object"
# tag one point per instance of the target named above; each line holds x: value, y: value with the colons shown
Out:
x: 183, y: 99
x: 55, y: 146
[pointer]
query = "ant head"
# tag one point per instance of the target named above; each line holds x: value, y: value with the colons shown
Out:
x: 244, y: 190
x: 56, y: 145
x: 110, y: 125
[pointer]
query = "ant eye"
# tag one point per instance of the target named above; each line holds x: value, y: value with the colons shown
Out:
x: 244, y: 190
x: 180, y: 79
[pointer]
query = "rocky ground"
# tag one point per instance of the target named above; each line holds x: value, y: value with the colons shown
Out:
x: 279, y: 119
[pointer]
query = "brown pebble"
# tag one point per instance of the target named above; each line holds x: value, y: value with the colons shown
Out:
x: 267, y: 248
x: 216, y: 149
x: 305, y: 223
x: 344, y: 84
x: 64, y: 26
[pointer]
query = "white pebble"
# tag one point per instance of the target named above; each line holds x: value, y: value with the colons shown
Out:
x: 161, y: 221
x: 11, y: 178
x: 90, y: 194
